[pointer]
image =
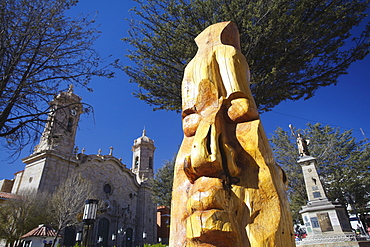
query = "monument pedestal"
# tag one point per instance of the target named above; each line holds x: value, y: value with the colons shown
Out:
x: 323, y: 219
x: 337, y: 244
x: 327, y: 223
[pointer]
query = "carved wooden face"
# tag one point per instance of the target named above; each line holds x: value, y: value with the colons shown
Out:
x: 214, y: 164
x: 224, y: 190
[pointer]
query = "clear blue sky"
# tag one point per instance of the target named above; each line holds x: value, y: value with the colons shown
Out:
x: 119, y: 118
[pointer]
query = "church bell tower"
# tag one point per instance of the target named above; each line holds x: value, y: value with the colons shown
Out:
x: 60, y: 130
x: 53, y: 158
x: 143, y: 158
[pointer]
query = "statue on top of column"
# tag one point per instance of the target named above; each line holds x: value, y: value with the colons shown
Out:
x: 301, y: 143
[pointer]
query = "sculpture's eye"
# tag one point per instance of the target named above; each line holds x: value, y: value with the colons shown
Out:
x: 189, y: 111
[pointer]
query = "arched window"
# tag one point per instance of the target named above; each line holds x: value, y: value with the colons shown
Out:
x: 103, y: 232
x: 129, y: 236
x: 150, y: 162
x: 70, y: 124
x: 107, y: 188
x: 136, y: 162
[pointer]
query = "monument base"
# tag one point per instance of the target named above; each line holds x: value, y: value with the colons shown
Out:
x: 323, y: 218
x: 335, y: 244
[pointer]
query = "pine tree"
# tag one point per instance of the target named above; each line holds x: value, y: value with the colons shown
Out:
x: 292, y: 47
x: 162, y: 184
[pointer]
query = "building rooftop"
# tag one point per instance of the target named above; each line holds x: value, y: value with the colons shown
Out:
x: 41, y: 231
x: 6, y: 195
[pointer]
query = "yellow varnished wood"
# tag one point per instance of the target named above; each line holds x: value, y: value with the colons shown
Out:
x: 228, y: 191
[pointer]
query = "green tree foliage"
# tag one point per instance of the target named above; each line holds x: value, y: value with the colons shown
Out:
x: 343, y: 164
x: 58, y: 209
x: 292, y: 47
x: 162, y: 184
x: 40, y: 51
x: 21, y: 214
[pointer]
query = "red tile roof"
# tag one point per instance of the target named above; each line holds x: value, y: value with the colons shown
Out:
x: 41, y: 231
x: 5, y: 195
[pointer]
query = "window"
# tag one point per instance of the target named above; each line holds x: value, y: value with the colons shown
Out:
x: 150, y: 162
x: 103, y: 232
x: 70, y: 124
x: 136, y: 162
x: 107, y: 188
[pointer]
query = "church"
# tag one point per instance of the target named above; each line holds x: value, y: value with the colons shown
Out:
x: 130, y: 215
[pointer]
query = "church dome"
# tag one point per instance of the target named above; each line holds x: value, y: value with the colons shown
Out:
x: 143, y: 139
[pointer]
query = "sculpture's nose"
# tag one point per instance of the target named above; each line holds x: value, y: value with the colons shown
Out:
x: 210, y: 154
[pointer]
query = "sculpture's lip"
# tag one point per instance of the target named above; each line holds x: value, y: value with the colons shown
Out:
x: 207, y: 211
x: 202, y: 215
x: 207, y: 223
x: 208, y: 195
x: 196, y: 206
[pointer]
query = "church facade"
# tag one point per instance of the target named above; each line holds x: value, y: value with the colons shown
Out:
x: 129, y: 218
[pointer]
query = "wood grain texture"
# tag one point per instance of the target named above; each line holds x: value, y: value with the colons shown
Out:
x: 228, y: 191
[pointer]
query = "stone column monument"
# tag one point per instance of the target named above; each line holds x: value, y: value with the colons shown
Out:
x: 321, y: 217
x: 228, y: 191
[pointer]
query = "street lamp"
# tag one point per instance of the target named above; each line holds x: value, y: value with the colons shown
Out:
x: 91, y: 207
x: 89, y: 216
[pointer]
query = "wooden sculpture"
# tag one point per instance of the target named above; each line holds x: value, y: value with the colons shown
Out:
x: 228, y: 191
